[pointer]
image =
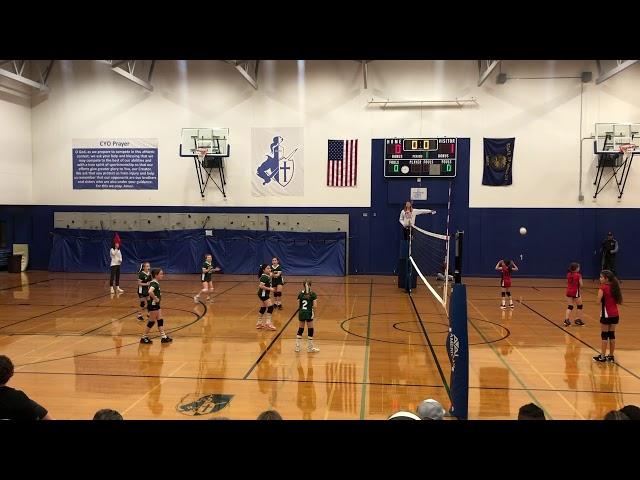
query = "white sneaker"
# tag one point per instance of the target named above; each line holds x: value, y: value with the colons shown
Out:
x: 119, y: 290
x: 112, y: 290
x: 312, y: 349
x: 297, y: 349
x: 196, y: 299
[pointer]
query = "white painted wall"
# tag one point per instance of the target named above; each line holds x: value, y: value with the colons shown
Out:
x: 327, y: 98
x: 15, y: 151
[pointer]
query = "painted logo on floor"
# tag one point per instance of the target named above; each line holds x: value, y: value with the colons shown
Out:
x: 195, y: 404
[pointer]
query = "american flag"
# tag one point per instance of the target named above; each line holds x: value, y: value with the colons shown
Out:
x: 342, y: 167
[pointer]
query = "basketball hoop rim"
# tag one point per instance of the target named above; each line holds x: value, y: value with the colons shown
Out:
x: 625, y: 149
x: 202, y: 153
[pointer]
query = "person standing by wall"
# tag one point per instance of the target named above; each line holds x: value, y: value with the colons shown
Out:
x: 609, y: 249
x: 116, y: 261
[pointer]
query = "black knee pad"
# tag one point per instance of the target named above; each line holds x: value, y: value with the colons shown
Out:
x: 612, y: 335
x: 569, y: 307
x: 151, y: 323
x: 508, y: 294
x: 579, y: 307
x: 277, y: 294
x: 604, y: 335
x: 262, y: 310
x: 160, y: 322
x: 270, y: 309
x: 502, y: 294
x: 310, y: 332
x: 142, y: 303
x: 300, y: 331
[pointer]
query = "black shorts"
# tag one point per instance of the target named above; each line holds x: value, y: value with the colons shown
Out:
x: 151, y: 307
x: 305, y: 319
x: 577, y: 295
x: 263, y: 299
x: 143, y: 295
x: 609, y: 320
x: 277, y: 281
x: 207, y: 278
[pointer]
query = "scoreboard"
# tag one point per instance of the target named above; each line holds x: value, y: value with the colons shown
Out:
x: 420, y: 157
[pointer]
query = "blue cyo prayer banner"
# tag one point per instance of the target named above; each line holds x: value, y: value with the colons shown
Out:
x: 115, y: 164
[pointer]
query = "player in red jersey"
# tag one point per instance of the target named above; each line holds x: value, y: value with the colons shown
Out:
x: 574, y: 283
x: 505, y: 267
x: 610, y: 297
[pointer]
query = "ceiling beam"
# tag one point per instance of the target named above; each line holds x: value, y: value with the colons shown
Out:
x: 485, y: 67
x: 621, y: 65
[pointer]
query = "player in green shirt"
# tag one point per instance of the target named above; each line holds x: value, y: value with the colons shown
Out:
x: 153, y: 305
x: 144, y: 278
x: 205, y: 277
x: 277, y: 280
x: 264, y: 287
x: 308, y: 301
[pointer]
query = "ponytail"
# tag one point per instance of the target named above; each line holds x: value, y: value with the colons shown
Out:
x: 261, y: 269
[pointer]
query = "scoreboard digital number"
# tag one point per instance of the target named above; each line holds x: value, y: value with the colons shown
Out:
x: 420, y: 157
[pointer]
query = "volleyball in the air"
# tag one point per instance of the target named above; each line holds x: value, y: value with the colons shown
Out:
x: 523, y: 231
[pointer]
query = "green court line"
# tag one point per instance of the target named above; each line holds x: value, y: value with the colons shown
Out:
x: 366, y: 356
x: 506, y: 364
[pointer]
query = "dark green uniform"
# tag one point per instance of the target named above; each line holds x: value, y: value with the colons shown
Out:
x: 306, y: 306
x: 143, y: 290
x: 279, y: 280
x: 264, y: 294
x: 154, y: 304
x: 206, y: 277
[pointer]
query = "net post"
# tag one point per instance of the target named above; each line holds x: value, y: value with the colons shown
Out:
x: 409, y: 268
x: 457, y: 273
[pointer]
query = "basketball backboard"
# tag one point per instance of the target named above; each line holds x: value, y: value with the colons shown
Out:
x: 611, y: 136
x: 215, y: 140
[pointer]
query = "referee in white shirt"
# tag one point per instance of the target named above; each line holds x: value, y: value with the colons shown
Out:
x: 408, y: 215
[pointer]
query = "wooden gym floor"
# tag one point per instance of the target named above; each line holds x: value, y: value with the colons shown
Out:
x: 76, y: 350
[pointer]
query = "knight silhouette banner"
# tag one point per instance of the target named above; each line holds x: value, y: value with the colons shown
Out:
x: 278, y: 162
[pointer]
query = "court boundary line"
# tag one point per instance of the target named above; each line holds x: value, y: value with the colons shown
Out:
x: 433, y: 353
x: 322, y: 382
x: 200, y: 317
x: 365, y: 373
x: 271, y: 343
x: 567, y: 332
x: 505, y: 363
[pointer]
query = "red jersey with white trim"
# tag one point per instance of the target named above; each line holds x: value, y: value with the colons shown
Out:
x: 573, y: 284
x: 505, y: 280
x: 609, y: 305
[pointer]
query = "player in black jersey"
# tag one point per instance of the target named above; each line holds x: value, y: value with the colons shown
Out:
x: 205, y: 277
x: 277, y: 280
x: 264, y: 287
x: 144, y: 278
x: 153, y: 305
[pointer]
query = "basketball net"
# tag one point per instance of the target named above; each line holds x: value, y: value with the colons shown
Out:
x: 202, y: 153
x: 627, y: 150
